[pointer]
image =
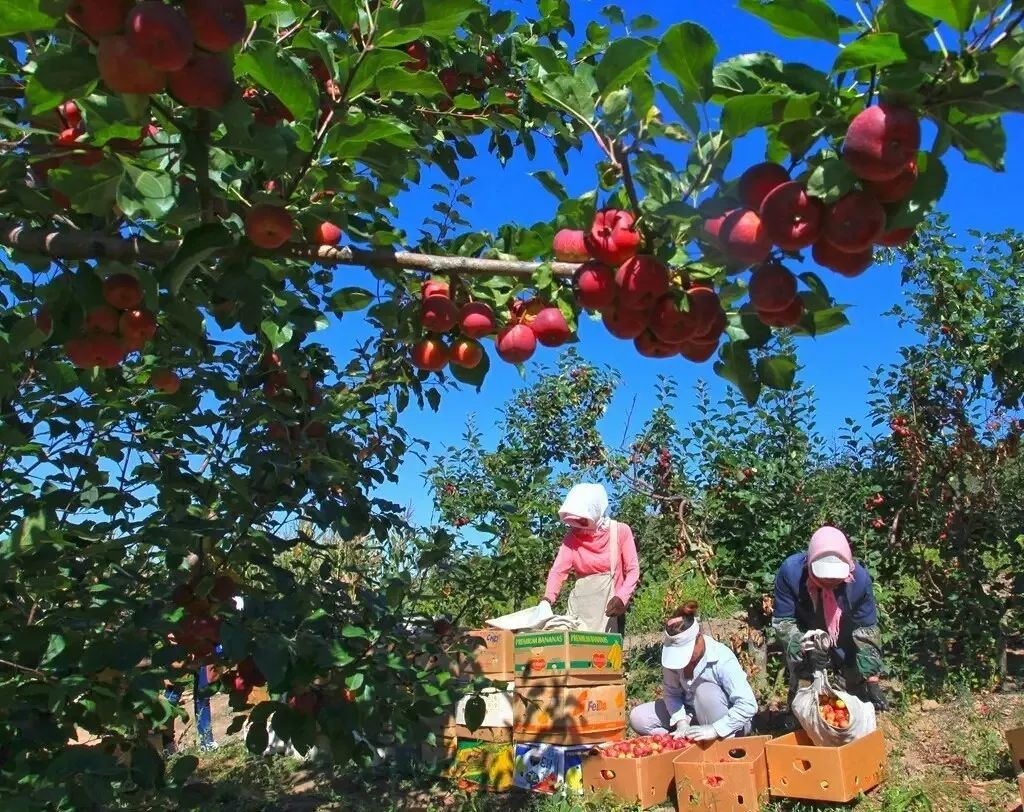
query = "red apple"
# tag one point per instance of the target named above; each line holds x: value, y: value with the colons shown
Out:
x: 624, y: 323
x: 791, y: 217
x: 844, y: 264
x: 476, y: 320
x: 217, y: 25
x: 122, y: 291
x: 896, y: 189
x: 430, y: 355
x: 516, y: 343
x: 550, y: 327
x: 698, y: 351
x: 325, y: 234
x: 772, y: 288
x: 268, y: 226
x: 743, y: 237
x: 138, y: 324
x: 95, y: 350
x: 165, y: 380
x: 434, y: 287
x: 570, y: 246
x: 159, y: 34
x: 787, y: 317
x: 99, y: 18
x: 896, y: 237
x: 102, y: 319
x: 124, y: 72
x: 438, y: 314
x: 854, y: 222
x: 670, y: 323
x: 595, y: 286
x: 641, y: 281
x: 650, y: 346
x: 612, y: 238
x: 418, y: 56
x: 881, y: 141
x: 205, y: 82
x: 466, y: 353
x: 757, y: 181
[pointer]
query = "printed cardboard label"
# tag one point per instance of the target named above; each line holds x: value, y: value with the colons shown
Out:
x: 483, y: 765
x: 491, y: 655
x: 568, y: 658
x: 546, y: 768
x: 570, y: 715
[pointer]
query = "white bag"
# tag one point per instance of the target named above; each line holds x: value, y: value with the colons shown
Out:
x: 533, y: 618
x: 805, y: 709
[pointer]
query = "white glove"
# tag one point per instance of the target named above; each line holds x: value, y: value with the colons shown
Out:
x: 679, y: 720
x: 815, y: 639
x: 701, y: 733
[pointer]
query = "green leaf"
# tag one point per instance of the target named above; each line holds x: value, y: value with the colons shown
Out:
x: 623, y: 60
x: 741, y: 114
x: 352, y: 139
x: 737, y: 368
x: 400, y: 80
x: 61, y: 73
x: 958, y: 14
x: 145, y: 192
x: 980, y: 139
x: 475, y: 376
x: 871, y: 51
x: 476, y: 710
x: 1017, y: 68
x: 273, y: 70
x: 797, y: 19
x: 547, y: 179
x: 821, y: 322
x: 777, y: 372
x: 430, y: 18
x: 349, y: 299
x: 199, y: 244
x: 23, y: 16
x: 572, y: 93
x: 277, y: 334
x: 831, y: 180
x: 91, y: 189
x: 928, y: 190
x: 688, y: 52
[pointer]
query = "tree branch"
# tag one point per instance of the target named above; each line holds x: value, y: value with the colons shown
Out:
x: 79, y: 245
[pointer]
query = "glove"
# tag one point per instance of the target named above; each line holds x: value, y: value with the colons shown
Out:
x: 701, y: 733
x: 876, y: 695
x: 815, y: 639
x: 615, y: 608
x: 817, y: 660
x: 680, y: 721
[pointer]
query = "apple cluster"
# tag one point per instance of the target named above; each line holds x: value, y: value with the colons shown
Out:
x: 633, y: 292
x: 112, y: 330
x: 530, y: 322
x: 644, y: 746
x: 777, y: 212
x: 198, y: 631
x: 834, y: 711
x: 278, y: 388
x: 149, y: 47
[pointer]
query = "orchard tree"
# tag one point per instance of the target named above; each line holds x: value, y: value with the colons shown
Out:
x: 180, y: 184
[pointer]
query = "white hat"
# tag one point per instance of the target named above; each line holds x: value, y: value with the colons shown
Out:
x: 830, y: 566
x: 677, y: 649
x: 587, y: 501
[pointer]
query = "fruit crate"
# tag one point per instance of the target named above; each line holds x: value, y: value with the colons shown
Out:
x: 797, y: 768
x: 729, y: 775
x: 637, y: 770
x: 1015, y: 741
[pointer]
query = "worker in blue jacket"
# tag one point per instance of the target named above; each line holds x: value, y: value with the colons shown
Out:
x: 826, y: 589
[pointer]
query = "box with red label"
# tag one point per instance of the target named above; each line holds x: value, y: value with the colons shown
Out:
x: 570, y: 715
x: 490, y: 655
x: 728, y: 775
x: 568, y: 658
x: 637, y: 770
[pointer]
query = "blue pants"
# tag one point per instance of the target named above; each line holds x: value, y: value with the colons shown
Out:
x: 203, y: 717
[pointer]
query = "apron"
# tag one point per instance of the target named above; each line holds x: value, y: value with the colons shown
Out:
x: 591, y: 593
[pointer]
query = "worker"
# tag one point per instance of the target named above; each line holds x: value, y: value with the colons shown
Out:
x: 601, y: 553
x: 826, y: 589
x: 705, y: 692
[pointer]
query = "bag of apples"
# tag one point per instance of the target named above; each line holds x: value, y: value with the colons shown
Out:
x: 831, y: 717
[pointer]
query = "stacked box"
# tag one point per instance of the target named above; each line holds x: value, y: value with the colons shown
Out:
x: 1015, y: 741
x: 490, y: 655
x: 547, y: 768
x: 497, y: 721
x: 567, y: 658
x: 483, y: 766
x: 799, y: 769
x: 570, y: 716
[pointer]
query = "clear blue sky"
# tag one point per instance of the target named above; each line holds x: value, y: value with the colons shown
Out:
x: 837, y: 365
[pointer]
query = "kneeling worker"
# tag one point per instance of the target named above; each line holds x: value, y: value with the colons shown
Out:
x: 706, y: 694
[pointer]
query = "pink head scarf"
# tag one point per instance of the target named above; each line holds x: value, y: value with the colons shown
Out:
x: 828, y: 541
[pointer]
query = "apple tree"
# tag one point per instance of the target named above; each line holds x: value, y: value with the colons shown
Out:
x: 182, y: 187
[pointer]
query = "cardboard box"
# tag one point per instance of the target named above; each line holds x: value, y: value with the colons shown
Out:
x: 570, y: 716
x: 1015, y: 741
x: 728, y: 775
x: 483, y: 766
x: 491, y: 655
x: 497, y: 707
x: 648, y: 781
x: 1020, y: 786
x: 546, y: 768
x: 568, y: 658
x: 485, y: 734
x: 798, y: 769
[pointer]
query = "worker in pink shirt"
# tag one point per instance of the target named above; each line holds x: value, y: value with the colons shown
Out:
x: 601, y: 553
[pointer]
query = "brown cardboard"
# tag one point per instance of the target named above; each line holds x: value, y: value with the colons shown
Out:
x: 568, y: 658
x: 570, y: 715
x: 798, y: 769
x: 1015, y: 741
x: 728, y: 775
x: 1020, y: 786
x: 490, y: 655
x: 648, y: 781
x: 485, y: 734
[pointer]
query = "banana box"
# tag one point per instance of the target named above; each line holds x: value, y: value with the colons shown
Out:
x: 482, y: 766
x: 568, y: 658
x: 570, y: 716
x: 546, y: 768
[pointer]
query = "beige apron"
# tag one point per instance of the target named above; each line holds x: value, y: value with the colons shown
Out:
x: 591, y: 593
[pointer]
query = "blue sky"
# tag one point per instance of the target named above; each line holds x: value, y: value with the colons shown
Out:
x: 837, y: 365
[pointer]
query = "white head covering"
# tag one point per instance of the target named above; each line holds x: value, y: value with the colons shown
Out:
x: 677, y: 649
x: 586, y: 500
